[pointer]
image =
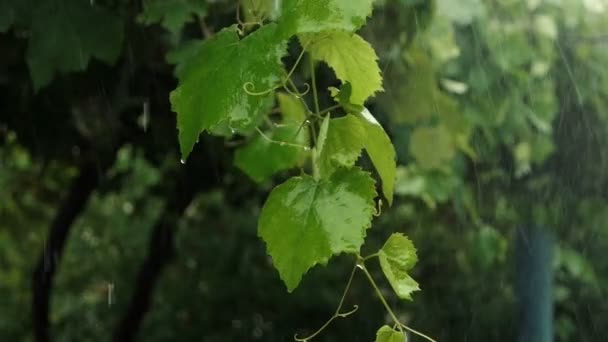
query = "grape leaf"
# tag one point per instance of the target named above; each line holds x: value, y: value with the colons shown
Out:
x: 211, y: 91
x: 387, y: 334
x: 302, y: 16
x: 304, y: 222
x: 172, y: 14
x: 351, y: 57
x: 65, y: 35
x: 342, y: 145
x: 432, y: 146
x: 262, y: 158
x: 397, y: 257
x: 381, y: 151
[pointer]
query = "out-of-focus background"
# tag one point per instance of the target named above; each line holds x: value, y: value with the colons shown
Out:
x: 498, y: 110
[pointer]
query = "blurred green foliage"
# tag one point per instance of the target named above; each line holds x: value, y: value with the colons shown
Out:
x: 499, y: 115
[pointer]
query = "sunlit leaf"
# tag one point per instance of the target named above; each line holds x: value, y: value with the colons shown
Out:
x: 397, y: 257
x: 305, y: 222
x: 381, y: 151
x: 387, y: 334
x: 302, y: 16
x: 351, y: 57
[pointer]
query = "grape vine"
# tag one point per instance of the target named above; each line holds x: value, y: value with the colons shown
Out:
x: 327, y: 209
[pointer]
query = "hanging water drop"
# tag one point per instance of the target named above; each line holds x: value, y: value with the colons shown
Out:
x: 281, y: 144
x: 306, y: 148
x: 182, y: 161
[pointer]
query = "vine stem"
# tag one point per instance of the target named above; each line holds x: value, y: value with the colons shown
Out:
x: 361, y: 265
x: 314, y: 86
x: 337, y: 313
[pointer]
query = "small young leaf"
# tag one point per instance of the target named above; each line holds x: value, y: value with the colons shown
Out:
x: 303, y: 16
x: 211, y: 91
x: 387, y: 334
x: 397, y: 257
x: 381, y: 151
x: 305, y: 222
x: 262, y: 158
x: 343, y: 144
x: 351, y: 57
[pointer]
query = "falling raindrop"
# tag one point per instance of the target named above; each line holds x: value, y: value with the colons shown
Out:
x: 110, y: 294
x: 306, y: 148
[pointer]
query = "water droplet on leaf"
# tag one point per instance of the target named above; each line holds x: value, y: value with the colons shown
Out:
x: 182, y: 161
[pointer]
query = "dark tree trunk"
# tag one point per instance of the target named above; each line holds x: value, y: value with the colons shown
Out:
x: 42, y: 283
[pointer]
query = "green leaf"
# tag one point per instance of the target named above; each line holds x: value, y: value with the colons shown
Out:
x: 381, y: 151
x: 397, y: 257
x: 432, y: 147
x: 342, y: 145
x: 305, y: 222
x: 387, y: 334
x: 172, y: 14
x: 262, y: 158
x: 351, y: 57
x: 65, y: 35
x: 303, y: 16
x: 211, y: 91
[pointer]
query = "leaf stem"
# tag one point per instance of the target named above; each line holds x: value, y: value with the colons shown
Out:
x: 337, y: 314
x: 400, y: 326
x: 329, y: 109
x: 314, y: 86
x: 361, y: 265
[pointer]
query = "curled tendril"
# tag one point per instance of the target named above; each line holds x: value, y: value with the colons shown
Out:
x: 348, y: 313
x: 296, y: 92
x: 281, y: 143
x: 379, y: 209
x: 249, y: 88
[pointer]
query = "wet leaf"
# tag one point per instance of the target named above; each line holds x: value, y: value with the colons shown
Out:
x: 305, y: 222
x: 397, y: 257
x: 342, y: 145
x: 211, y: 91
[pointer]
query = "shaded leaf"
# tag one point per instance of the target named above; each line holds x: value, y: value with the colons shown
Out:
x: 305, y: 222
x: 262, y: 158
x: 171, y: 14
x: 66, y: 35
x: 397, y: 257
